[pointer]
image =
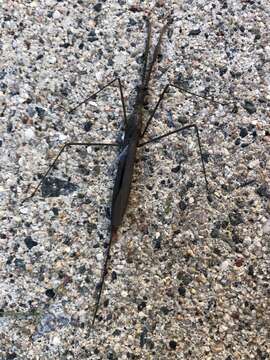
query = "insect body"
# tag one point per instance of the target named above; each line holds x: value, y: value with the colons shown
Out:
x: 133, y: 134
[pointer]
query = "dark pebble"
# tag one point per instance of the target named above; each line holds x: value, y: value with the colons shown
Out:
x: 236, y: 238
x: 236, y: 75
x: 164, y: 310
x: 194, y: 32
x: 237, y: 141
x: 50, y: 293
x: 65, y: 45
x: 29, y: 242
x: 185, y: 278
x: 243, y: 132
x: 263, y: 191
x: 182, y: 291
x: 11, y: 356
x: 250, y: 270
x: 224, y: 224
x: 234, y: 109
x: 92, y: 33
x: 235, y: 218
x: 131, y: 356
x: 172, y: 344
x: 262, y: 355
x: 110, y: 62
x: 242, y: 28
x: 143, y: 337
x: 2, y: 74
x: 257, y: 36
x: 217, y: 251
x: 176, y: 169
x: 19, y: 264
x: 3, y: 86
x: 92, y: 36
x: 64, y: 90
x: 82, y: 269
x: 141, y: 306
x: 117, y: 332
x: 55, y: 210
x: 132, y: 22
x: 205, y: 157
x: 157, y: 243
x: 244, y: 145
x: 9, y: 260
x: 98, y: 7
x: 84, y: 170
x: 150, y: 344
x: 190, y: 184
x: 114, y: 276
x: 223, y: 71
x: 215, y: 233
x: 182, y: 205
x: 92, y: 39
x: 111, y: 356
x: 9, y: 127
x: 249, y: 106
x: 87, y: 126
x: 40, y: 112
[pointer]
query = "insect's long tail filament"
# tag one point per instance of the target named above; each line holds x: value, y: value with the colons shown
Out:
x: 104, y: 273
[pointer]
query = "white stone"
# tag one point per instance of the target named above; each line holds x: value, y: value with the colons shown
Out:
x: 56, y: 341
x: 99, y: 257
x: 266, y: 227
x: 29, y: 134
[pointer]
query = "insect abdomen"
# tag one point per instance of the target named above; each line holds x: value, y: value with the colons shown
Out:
x: 122, y: 185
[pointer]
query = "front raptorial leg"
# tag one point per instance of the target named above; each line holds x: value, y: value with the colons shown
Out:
x: 199, y: 144
x: 57, y: 157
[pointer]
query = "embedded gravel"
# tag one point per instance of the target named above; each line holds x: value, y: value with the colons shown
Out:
x: 188, y: 278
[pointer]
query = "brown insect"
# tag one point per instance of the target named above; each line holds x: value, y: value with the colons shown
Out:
x: 134, y: 131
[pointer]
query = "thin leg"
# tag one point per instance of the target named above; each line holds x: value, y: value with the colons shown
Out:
x: 199, y: 143
x: 182, y: 90
x: 57, y: 157
x: 93, y: 96
x: 155, y: 109
x: 201, y: 96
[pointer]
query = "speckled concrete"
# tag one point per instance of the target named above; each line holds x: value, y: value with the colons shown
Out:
x: 188, y: 279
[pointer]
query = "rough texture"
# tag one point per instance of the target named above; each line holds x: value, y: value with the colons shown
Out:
x: 188, y: 279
